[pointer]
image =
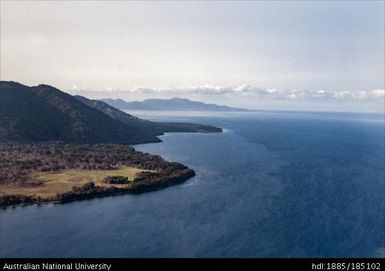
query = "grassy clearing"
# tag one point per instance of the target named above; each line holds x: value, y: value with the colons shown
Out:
x: 59, y: 182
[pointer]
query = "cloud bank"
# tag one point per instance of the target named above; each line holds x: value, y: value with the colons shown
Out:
x: 241, y: 91
x: 252, y: 97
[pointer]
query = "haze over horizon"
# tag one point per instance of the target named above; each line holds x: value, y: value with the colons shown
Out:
x: 291, y: 55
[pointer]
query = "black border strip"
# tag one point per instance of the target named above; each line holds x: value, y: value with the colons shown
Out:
x: 265, y: 264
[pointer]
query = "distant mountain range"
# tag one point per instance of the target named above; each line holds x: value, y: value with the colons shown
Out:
x: 44, y: 113
x: 177, y: 104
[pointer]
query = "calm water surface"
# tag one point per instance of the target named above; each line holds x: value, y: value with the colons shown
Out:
x: 272, y: 185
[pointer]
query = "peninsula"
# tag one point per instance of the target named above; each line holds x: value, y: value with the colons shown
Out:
x: 57, y: 147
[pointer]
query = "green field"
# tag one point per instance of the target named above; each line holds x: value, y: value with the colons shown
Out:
x: 47, y: 184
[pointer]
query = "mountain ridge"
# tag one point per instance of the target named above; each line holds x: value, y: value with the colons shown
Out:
x: 158, y: 128
x: 45, y: 113
x: 177, y: 104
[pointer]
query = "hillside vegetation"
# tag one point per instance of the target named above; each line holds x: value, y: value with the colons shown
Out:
x: 44, y: 113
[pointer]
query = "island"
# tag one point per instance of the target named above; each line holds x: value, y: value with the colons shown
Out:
x: 173, y: 104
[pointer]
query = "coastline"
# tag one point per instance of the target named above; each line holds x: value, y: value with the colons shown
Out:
x: 157, y: 174
x: 90, y: 191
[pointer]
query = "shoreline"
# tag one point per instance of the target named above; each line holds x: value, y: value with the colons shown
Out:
x: 91, y: 191
x: 157, y: 173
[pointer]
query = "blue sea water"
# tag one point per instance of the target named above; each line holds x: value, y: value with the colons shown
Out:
x: 274, y: 184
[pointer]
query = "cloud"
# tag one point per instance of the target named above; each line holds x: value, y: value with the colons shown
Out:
x: 378, y: 93
x: 241, y: 91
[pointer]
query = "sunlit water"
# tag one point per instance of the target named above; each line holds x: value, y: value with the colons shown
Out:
x: 272, y: 185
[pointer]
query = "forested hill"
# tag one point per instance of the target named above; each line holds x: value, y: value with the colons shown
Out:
x: 156, y: 128
x: 44, y: 113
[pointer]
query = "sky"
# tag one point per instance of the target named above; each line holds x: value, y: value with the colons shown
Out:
x: 289, y: 55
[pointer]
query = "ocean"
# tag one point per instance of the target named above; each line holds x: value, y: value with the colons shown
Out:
x: 273, y: 184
